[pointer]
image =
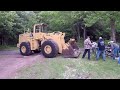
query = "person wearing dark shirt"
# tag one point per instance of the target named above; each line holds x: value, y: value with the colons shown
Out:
x: 101, y: 49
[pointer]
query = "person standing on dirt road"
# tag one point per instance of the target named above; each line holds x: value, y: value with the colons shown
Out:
x: 87, y: 47
x: 101, y: 48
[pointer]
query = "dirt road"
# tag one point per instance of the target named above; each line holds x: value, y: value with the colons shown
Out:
x: 11, y: 61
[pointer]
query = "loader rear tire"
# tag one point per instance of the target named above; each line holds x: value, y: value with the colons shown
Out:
x: 27, y: 51
x: 53, y: 49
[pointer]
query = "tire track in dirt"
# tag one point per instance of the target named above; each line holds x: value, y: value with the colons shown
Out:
x: 12, y: 61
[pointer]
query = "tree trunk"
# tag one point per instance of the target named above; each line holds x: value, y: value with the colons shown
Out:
x: 78, y: 30
x: 113, y: 32
x: 76, y: 27
x: 2, y: 40
x: 84, y: 34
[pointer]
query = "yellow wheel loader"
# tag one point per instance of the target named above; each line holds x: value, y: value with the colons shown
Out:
x: 49, y: 44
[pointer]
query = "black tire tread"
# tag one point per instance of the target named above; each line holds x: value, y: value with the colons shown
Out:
x: 28, y: 51
x: 54, y: 47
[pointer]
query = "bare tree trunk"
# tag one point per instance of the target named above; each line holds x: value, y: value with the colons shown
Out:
x: 2, y: 41
x: 113, y: 32
x: 78, y: 30
x: 84, y: 34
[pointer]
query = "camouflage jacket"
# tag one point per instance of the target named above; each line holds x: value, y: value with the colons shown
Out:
x: 87, y: 44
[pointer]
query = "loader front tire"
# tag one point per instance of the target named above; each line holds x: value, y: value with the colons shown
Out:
x: 49, y: 49
x: 25, y: 49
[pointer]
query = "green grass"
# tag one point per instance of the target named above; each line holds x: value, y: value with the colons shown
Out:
x: 80, y: 43
x: 66, y: 68
x: 9, y: 47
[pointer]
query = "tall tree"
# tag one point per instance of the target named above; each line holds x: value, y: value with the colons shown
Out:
x: 110, y: 17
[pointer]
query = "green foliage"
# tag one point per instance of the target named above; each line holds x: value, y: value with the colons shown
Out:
x: 57, y: 20
x: 12, y: 23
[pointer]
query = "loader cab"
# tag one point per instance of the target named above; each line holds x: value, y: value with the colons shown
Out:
x: 40, y: 28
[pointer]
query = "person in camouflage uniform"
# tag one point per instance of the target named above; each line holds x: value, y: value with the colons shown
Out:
x: 87, y: 47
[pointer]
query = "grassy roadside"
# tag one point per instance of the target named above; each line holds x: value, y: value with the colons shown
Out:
x: 10, y: 47
x: 66, y: 68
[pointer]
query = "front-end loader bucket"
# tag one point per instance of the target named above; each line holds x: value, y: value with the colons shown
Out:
x: 70, y: 53
x: 71, y: 50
